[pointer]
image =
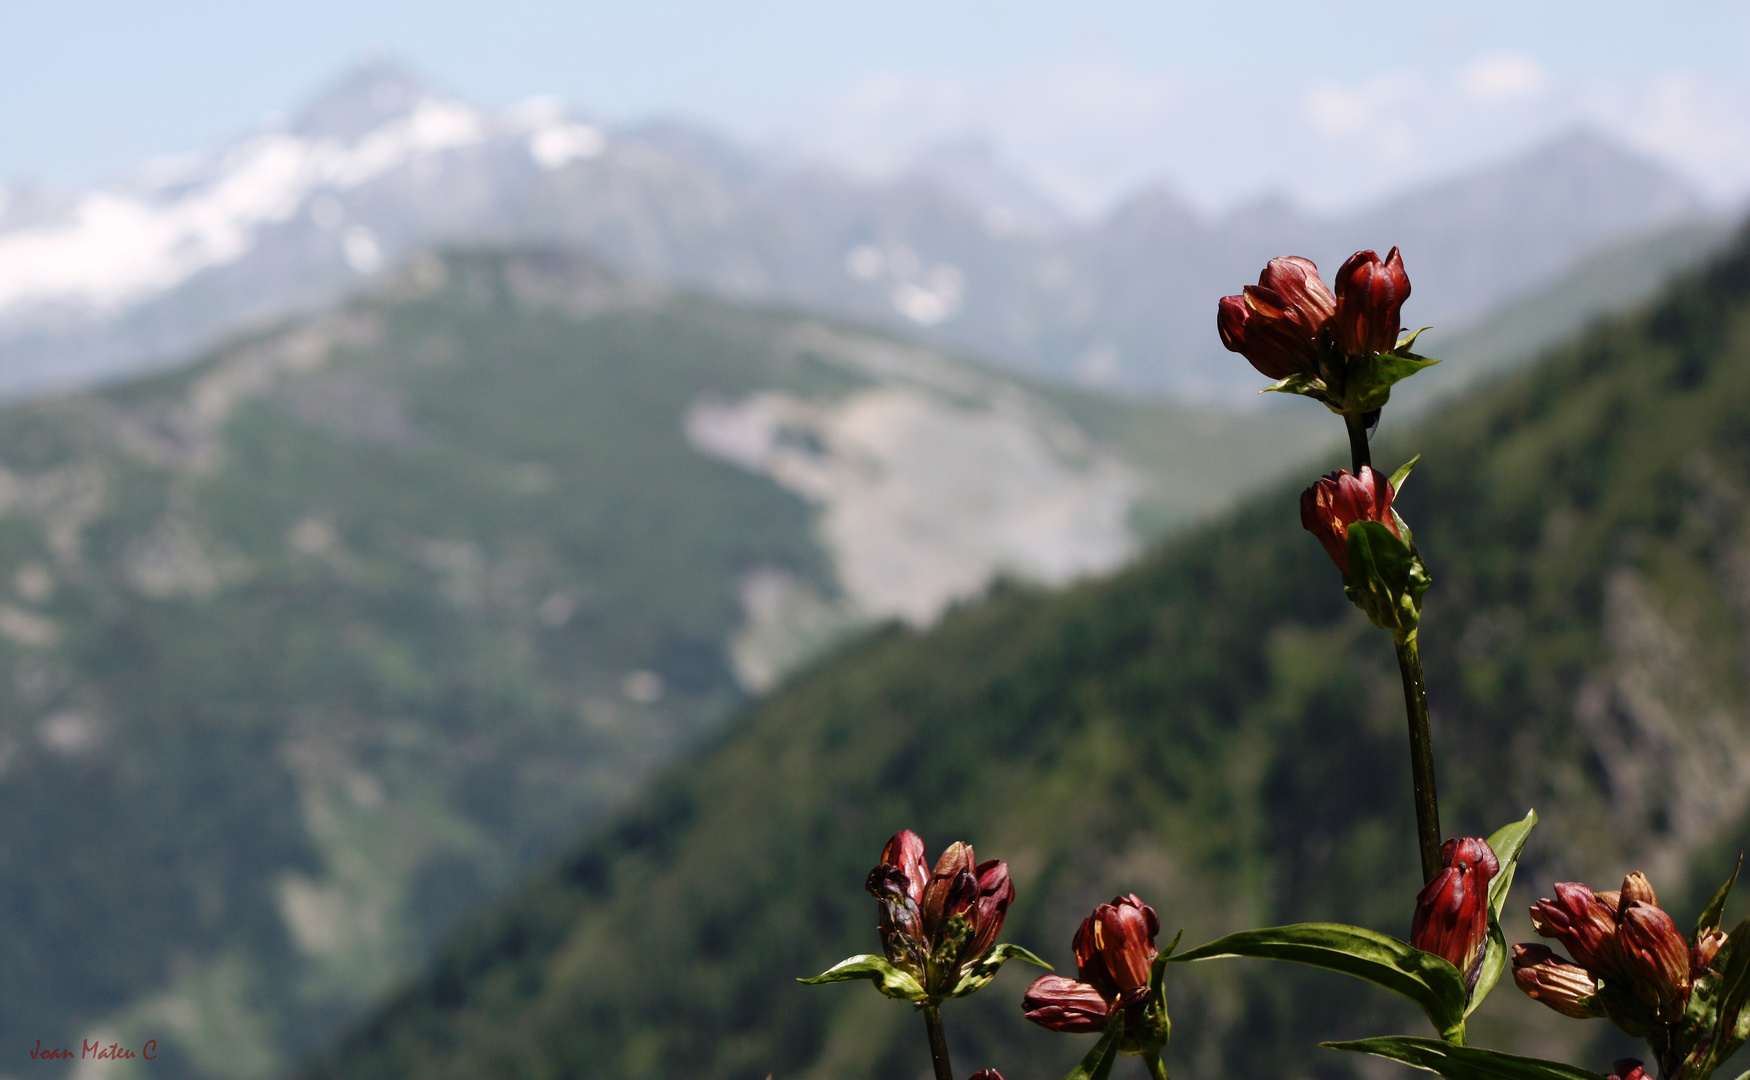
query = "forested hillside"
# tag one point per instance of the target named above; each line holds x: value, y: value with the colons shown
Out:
x: 1214, y: 728
x: 314, y: 645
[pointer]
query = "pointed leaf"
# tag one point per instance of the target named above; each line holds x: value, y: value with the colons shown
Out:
x: 1507, y: 842
x: 1403, y: 473
x: 887, y: 978
x: 1428, y: 980
x: 1710, y: 915
x: 1097, y: 1064
x: 1303, y: 384
x: 985, y: 970
x: 1370, y: 380
x: 1404, y: 343
x: 1157, y: 974
x: 1463, y: 1062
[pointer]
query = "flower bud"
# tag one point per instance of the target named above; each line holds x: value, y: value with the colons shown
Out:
x: 1702, y: 953
x: 1115, y: 954
x: 1635, y: 889
x: 986, y: 1074
x: 995, y: 893
x: 1278, y: 323
x: 1655, y: 955
x: 1583, y: 922
x: 1116, y: 947
x: 897, y: 883
x: 1065, y: 1005
x: 1544, y: 976
x: 1627, y: 1069
x: 1370, y: 295
x: 1452, y: 911
x: 1337, y: 501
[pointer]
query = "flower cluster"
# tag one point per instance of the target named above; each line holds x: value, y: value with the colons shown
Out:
x: 1291, y: 326
x: 1630, y: 962
x: 938, y: 925
x: 1115, y: 953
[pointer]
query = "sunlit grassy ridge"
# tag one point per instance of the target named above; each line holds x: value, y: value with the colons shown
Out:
x: 1216, y: 729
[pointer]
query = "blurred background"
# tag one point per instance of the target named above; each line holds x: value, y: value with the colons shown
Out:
x: 504, y: 508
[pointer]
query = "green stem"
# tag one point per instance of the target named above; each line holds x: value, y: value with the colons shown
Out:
x: 1421, y: 756
x: 938, y: 1043
x: 1359, y: 453
x: 1156, y: 1068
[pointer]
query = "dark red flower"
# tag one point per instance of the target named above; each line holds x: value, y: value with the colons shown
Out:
x: 1581, y: 920
x: 1452, y: 911
x: 1065, y: 1005
x: 1627, y: 1069
x: 1279, y: 324
x: 1115, y: 954
x: 1655, y: 955
x: 936, y: 925
x: 986, y: 1074
x: 1370, y: 296
x: 1337, y: 501
x: 1567, y: 988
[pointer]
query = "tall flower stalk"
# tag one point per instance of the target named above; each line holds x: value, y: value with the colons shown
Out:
x: 1343, y: 348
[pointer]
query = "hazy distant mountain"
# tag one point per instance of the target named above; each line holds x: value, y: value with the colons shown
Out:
x: 111, y: 280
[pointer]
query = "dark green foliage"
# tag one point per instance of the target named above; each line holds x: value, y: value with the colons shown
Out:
x: 1216, y: 729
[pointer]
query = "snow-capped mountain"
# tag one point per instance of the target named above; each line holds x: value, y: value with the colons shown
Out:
x: 138, y: 273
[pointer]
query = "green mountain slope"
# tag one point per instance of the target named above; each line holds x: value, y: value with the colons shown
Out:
x: 313, y: 646
x: 1216, y: 729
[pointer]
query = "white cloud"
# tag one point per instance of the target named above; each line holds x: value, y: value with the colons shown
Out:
x: 1693, y: 122
x: 1378, y: 112
x: 1503, y: 77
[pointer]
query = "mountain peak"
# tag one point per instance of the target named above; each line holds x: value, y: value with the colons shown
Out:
x: 362, y: 100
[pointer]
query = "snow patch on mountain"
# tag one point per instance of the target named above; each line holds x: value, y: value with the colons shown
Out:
x: 923, y: 500
x: 122, y: 245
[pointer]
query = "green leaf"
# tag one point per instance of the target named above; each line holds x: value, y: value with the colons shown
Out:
x: 1507, y: 842
x: 1371, y: 379
x: 1304, y: 384
x: 1157, y: 974
x: 985, y: 970
x: 887, y: 978
x: 1735, y: 980
x: 1463, y: 1062
x: 1403, y: 473
x: 1404, y: 343
x: 1386, y: 577
x: 1710, y: 915
x: 1428, y: 980
x: 1097, y: 1064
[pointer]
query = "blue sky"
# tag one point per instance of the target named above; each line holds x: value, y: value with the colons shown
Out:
x: 1330, y: 103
